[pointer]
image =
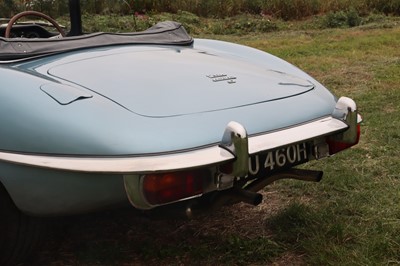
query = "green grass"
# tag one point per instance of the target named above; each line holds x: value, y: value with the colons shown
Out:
x: 354, y: 214
x: 352, y: 217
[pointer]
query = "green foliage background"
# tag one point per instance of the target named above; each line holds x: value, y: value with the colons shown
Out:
x: 283, y: 9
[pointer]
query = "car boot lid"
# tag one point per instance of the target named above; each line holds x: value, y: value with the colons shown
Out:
x: 172, y: 81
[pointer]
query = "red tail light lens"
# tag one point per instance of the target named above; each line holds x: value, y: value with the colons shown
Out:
x: 336, y: 146
x: 169, y: 187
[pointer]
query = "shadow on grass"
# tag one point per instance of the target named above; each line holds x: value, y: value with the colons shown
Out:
x: 127, y: 237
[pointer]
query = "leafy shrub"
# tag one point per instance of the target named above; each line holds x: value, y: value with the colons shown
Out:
x: 385, y: 6
x: 265, y: 25
x: 188, y: 18
x: 336, y: 19
x: 340, y: 19
x: 353, y: 18
x: 243, y: 24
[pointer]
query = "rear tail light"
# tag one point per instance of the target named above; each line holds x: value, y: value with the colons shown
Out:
x: 174, y: 186
x: 336, y: 144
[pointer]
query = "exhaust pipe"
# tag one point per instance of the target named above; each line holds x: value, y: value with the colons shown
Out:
x: 236, y: 195
x: 245, y: 196
x: 298, y: 174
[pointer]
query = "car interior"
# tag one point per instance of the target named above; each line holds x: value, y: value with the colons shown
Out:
x: 39, y: 29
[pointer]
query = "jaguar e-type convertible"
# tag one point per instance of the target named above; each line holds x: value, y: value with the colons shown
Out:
x: 156, y: 119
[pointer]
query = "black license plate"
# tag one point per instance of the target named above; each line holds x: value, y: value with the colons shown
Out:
x: 266, y: 163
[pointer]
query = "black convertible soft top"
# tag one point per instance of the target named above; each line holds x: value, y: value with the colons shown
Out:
x: 168, y: 33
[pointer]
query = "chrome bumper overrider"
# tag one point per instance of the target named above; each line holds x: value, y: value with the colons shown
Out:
x: 235, y: 144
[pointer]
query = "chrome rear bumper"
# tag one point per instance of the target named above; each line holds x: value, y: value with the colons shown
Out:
x: 179, y: 160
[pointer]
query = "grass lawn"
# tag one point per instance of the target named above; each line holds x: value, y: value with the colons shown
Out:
x: 352, y: 217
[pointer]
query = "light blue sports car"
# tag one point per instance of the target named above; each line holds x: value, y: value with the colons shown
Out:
x: 156, y: 119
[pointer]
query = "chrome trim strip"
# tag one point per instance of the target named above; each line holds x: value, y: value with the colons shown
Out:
x: 182, y: 160
x: 144, y: 164
x: 273, y: 140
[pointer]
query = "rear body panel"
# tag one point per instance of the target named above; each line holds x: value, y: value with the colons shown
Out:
x: 108, y: 102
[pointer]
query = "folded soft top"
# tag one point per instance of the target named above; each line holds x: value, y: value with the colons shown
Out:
x: 168, y: 32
